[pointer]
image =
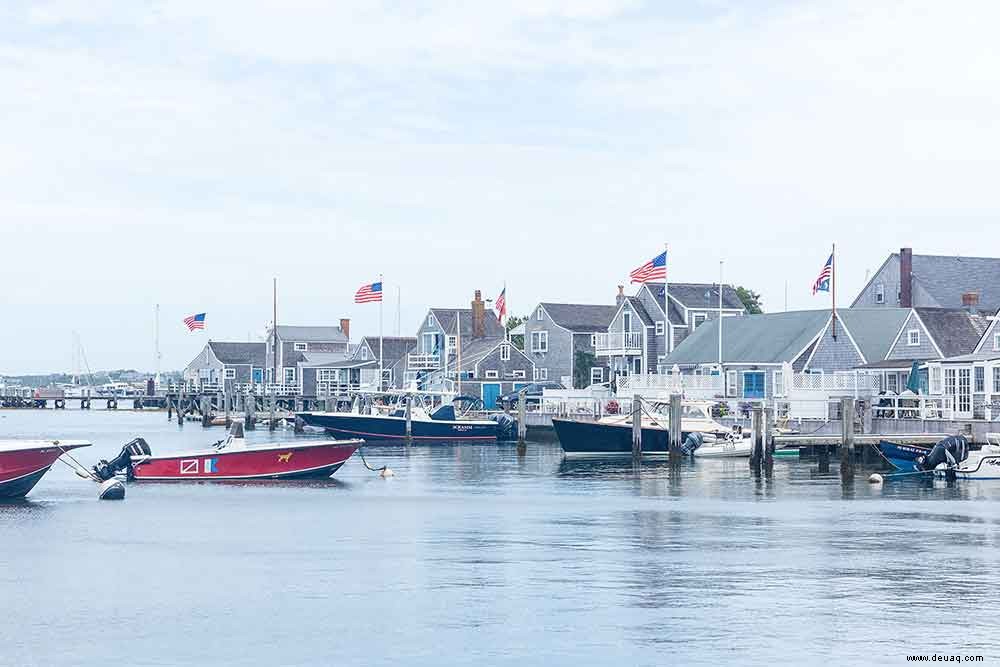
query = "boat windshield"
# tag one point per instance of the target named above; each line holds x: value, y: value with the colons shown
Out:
x: 688, y: 410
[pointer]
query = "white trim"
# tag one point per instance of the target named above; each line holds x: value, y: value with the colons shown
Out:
x: 539, y: 313
x: 874, y: 276
x: 540, y: 334
x: 658, y: 327
x: 296, y: 348
x: 853, y: 342
x: 989, y: 330
x: 226, y: 373
x: 519, y: 374
x: 492, y: 375
x: 912, y: 341
x: 596, y: 368
x: 928, y: 333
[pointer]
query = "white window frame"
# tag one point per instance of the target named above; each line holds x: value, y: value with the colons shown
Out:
x: 492, y: 375
x: 300, y: 347
x: 892, y: 382
x: 285, y: 375
x: 732, y: 383
x: 659, y: 327
x: 504, y: 352
x: 327, y: 375
x: 996, y: 341
x: 979, y: 379
x: 996, y: 379
x: 598, y: 377
x: 364, y: 353
x: 539, y: 341
x: 450, y: 344
x: 593, y: 341
x: 229, y: 373
x: 879, y: 293
x: 934, y: 380
x: 519, y: 374
x: 778, y: 382
x: 913, y: 338
x: 541, y: 374
x: 387, y: 377
x: 540, y: 314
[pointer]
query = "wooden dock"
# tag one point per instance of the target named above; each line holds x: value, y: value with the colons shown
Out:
x: 796, y: 440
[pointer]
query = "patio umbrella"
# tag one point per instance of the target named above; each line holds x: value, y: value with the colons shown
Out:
x: 914, y: 382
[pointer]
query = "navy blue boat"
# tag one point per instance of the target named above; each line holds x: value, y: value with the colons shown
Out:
x: 589, y: 437
x: 903, y: 457
x: 441, y: 425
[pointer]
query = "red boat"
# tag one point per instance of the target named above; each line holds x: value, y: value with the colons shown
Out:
x: 232, y: 459
x: 24, y: 462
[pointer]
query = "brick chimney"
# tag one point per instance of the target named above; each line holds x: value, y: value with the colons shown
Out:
x: 621, y: 295
x: 970, y: 301
x: 478, y: 316
x: 345, y: 326
x: 906, y: 277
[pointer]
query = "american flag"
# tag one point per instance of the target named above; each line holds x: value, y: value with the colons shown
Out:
x: 822, y: 283
x: 195, y: 322
x: 654, y: 269
x: 369, y: 293
x: 501, y: 305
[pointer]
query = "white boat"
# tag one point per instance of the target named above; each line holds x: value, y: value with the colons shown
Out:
x: 979, y: 464
x: 725, y: 449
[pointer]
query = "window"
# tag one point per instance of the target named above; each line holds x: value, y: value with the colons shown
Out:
x: 387, y: 377
x: 364, y: 353
x: 949, y: 381
x: 880, y: 293
x: 996, y: 379
x: 326, y: 375
x: 504, y: 352
x: 934, y: 379
x: 519, y: 374
x: 913, y: 337
x: 980, y: 379
x: 539, y: 341
x: 593, y: 341
x: 301, y: 347
x: 731, y: 388
x: 892, y: 382
x: 659, y: 328
x: 698, y: 319
x: 779, y: 383
x: 230, y: 374
x: 541, y: 374
x: 540, y: 314
x: 626, y: 321
x: 596, y: 375
x: 452, y: 344
x: 492, y: 375
x: 290, y: 376
x: 996, y: 341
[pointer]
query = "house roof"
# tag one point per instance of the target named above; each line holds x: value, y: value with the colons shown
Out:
x: 701, y: 295
x: 874, y: 329
x: 580, y: 317
x: 446, y: 318
x: 332, y: 360
x: 311, y: 334
x: 638, y: 309
x: 239, y: 353
x: 955, y: 330
x: 393, y: 347
x: 752, y: 339
x: 947, y: 277
x: 474, y: 350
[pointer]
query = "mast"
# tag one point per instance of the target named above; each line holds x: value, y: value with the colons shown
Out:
x: 720, y: 316
x: 667, y: 338
x: 274, y: 336
x: 381, y: 301
x: 458, y: 350
x: 156, y: 345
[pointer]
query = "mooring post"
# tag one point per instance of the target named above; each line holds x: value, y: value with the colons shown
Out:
x: 676, y: 431
x: 181, y: 409
x: 757, y: 437
x: 522, y: 418
x: 170, y: 408
x: 271, y: 420
x: 409, y: 417
x: 225, y: 407
x: 206, y: 411
x: 768, y: 429
x: 847, y: 436
x: 636, y: 426
x: 249, y: 412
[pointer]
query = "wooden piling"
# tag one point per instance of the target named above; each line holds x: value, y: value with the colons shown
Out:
x: 756, y: 438
x: 676, y: 431
x: 225, y: 408
x: 522, y: 419
x: 847, y: 436
x: 206, y: 411
x: 249, y: 412
x: 270, y: 422
x: 409, y: 417
x: 636, y: 426
x: 768, y: 434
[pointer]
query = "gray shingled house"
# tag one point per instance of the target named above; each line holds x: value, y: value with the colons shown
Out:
x: 906, y: 280
x: 225, y: 364
x: 755, y: 347
x: 634, y: 342
x: 558, y: 336
x: 293, y: 342
x: 490, y: 365
x: 324, y: 373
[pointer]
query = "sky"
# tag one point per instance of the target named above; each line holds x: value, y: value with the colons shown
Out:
x: 185, y: 153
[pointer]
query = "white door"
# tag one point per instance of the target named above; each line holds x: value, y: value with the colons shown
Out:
x: 963, y: 398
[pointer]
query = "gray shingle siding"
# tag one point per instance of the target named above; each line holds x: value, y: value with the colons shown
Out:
x: 558, y: 360
x: 505, y: 369
x: 903, y: 350
x: 835, y: 355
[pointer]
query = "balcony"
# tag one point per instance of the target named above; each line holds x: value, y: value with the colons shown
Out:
x: 423, y: 362
x: 618, y: 344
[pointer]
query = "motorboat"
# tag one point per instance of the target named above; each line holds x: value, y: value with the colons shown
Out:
x: 389, y: 422
x: 903, y: 456
x: 231, y: 459
x: 24, y: 462
x: 613, y: 433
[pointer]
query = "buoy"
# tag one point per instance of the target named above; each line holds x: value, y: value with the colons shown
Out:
x: 876, y: 478
x: 387, y: 472
x: 112, y: 489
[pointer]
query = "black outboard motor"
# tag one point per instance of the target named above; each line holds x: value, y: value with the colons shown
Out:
x: 693, y: 441
x: 506, y: 426
x: 952, y: 450
x: 105, y: 470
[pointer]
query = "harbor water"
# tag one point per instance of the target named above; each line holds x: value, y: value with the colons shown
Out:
x: 480, y: 555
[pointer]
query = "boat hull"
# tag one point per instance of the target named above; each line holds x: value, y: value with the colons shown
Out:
x: 21, y: 468
x: 278, y: 462
x: 902, y: 457
x: 377, y: 427
x: 582, y: 437
x: 725, y: 450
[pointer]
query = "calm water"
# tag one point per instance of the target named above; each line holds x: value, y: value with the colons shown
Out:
x: 474, y: 555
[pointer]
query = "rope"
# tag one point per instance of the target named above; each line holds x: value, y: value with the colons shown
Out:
x: 362, y: 454
x: 79, y: 466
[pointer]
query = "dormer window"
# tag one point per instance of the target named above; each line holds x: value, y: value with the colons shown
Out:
x: 301, y: 347
x: 364, y: 353
x: 540, y: 314
x: 913, y: 337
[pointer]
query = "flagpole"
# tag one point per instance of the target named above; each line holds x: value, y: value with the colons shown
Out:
x: 666, y: 307
x: 833, y: 287
x: 458, y: 351
x: 381, y: 301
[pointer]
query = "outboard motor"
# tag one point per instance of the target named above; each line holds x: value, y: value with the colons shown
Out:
x: 105, y: 470
x: 506, y: 426
x: 693, y: 441
x: 952, y: 450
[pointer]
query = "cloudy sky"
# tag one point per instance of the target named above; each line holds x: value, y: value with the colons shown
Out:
x: 183, y: 153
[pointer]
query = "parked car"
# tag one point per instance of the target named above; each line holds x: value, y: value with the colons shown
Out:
x: 532, y: 394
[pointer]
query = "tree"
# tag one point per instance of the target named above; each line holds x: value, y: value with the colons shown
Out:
x: 751, y: 300
x: 513, y: 321
x: 583, y: 361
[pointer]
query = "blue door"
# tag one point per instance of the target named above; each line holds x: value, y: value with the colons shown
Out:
x: 258, y: 376
x: 491, y: 392
x: 753, y: 384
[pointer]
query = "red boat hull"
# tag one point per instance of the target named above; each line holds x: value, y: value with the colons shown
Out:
x: 281, y: 462
x: 22, y: 468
